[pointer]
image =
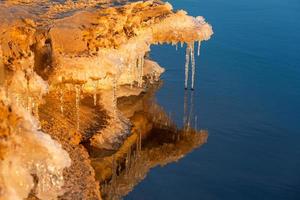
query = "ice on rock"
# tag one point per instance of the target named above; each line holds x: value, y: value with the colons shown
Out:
x: 23, y: 89
x: 99, y: 47
x: 30, y: 153
x: 173, y: 28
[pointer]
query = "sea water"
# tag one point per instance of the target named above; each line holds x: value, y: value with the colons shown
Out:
x: 247, y: 95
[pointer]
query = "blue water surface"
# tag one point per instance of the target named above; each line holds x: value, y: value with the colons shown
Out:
x: 247, y: 96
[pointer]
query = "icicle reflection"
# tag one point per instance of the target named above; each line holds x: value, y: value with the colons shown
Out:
x: 189, y: 118
x: 139, y: 160
x: 159, y: 144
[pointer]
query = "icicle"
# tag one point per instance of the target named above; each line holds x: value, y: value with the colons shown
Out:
x: 61, y: 99
x: 37, y: 112
x: 187, y: 60
x: 35, y: 109
x: 95, y: 99
x: 132, y: 75
x: 115, y: 96
x: 29, y: 103
x: 193, y: 65
x: 140, y: 70
x: 119, y: 169
x: 143, y: 62
x: 136, y: 72
x: 28, y: 99
x: 95, y: 92
x: 78, y: 93
x: 199, y: 46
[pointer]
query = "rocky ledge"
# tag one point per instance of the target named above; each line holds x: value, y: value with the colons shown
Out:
x: 63, y: 67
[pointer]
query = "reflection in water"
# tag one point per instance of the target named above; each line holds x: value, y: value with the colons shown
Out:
x: 188, y: 114
x: 157, y: 151
x: 156, y: 141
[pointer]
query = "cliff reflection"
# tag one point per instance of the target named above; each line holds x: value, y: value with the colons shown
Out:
x: 156, y: 141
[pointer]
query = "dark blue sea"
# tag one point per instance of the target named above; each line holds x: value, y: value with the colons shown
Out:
x: 247, y: 97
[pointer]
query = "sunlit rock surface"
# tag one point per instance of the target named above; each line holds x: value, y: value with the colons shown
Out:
x: 64, y: 65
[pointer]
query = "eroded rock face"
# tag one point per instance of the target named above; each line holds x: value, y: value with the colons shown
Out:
x: 69, y: 50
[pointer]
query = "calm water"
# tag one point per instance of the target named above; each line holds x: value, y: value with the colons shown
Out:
x: 248, y: 98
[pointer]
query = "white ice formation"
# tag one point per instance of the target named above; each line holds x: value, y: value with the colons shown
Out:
x: 31, y: 160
